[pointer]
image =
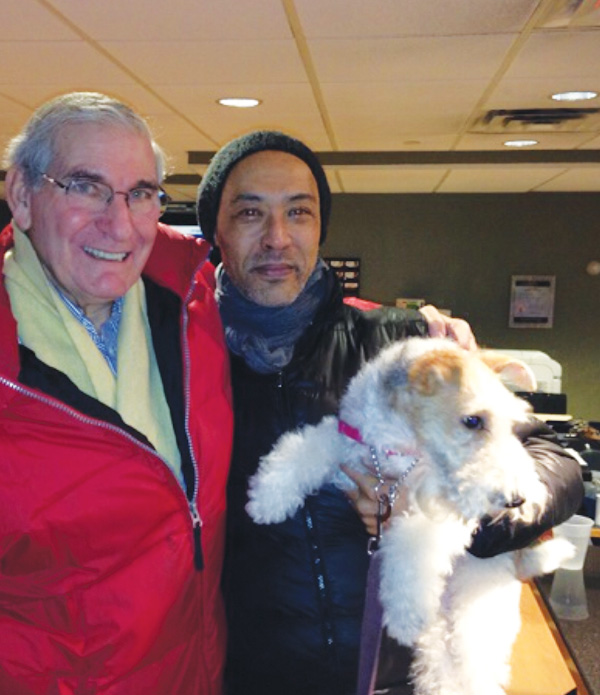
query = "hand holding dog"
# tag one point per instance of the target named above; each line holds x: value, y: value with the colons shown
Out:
x: 364, y: 497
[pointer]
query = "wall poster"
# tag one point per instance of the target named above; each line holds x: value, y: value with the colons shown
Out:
x: 532, y: 301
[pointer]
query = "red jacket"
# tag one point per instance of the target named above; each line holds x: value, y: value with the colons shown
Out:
x: 98, y: 589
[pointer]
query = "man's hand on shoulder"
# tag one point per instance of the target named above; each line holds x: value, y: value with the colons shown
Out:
x: 442, y: 326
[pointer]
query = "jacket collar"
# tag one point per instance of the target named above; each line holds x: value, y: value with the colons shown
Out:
x: 175, y: 258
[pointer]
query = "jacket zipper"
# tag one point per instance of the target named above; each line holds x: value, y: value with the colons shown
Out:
x: 283, y: 399
x: 317, y: 562
x: 316, y: 556
x: 193, y: 502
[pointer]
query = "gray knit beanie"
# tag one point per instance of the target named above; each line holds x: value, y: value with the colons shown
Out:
x: 213, y: 181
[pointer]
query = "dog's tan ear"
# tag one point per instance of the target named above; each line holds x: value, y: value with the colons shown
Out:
x: 512, y: 371
x: 433, y: 370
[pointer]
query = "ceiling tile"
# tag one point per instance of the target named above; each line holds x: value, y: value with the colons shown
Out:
x: 390, y: 180
x: 210, y: 62
x: 11, y: 123
x: 494, y: 179
x: 535, y: 93
x: 284, y: 107
x: 177, y: 20
x: 378, y: 18
x: 11, y: 107
x: 412, y: 59
x: 576, y: 179
x: 386, y: 115
x: 176, y: 137
x: 560, y: 54
x: 66, y: 65
x: 593, y: 144
x: 29, y: 20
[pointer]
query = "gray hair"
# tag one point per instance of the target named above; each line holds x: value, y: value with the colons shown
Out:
x: 35, y: 147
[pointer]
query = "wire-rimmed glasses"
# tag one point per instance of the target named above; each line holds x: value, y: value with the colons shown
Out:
x: 95, y: 197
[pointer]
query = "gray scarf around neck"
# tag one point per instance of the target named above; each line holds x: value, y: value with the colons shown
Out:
x: 265, y: 336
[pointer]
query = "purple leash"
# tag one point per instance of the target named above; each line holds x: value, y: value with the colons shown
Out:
x: 370, y: 636
x: 372, y: 623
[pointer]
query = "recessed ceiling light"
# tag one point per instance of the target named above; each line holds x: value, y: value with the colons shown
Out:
x: 520, y: 143
x: 574, y: 96
x: 239, y: 103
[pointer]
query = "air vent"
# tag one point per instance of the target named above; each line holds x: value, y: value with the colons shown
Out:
x: 502, y: 121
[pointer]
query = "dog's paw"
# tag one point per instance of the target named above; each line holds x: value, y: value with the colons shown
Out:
x: 268, y: 505
x: 263, y: 509
x: 261, y: 515
x: 542, y: 558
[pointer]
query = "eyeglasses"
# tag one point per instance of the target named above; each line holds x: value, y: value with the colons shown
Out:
x: 95, y: 197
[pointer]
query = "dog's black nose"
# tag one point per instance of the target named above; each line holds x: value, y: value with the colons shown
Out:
x: 515, y: 502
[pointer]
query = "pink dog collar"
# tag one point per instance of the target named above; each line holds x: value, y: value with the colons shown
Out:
x: 354, y: 433
x: 349, y: 431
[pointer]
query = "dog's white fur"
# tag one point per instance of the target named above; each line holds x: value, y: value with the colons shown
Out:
x: 443, y: 410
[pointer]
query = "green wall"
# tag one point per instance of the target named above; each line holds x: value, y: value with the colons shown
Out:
x: 459, y: 252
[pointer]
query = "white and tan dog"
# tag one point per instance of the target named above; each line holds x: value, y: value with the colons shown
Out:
x: 439, y: 419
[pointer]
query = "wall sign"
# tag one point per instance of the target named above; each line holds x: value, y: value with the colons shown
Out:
x: 532, y: 301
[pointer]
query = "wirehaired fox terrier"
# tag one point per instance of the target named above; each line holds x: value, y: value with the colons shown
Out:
x: 439, y: 420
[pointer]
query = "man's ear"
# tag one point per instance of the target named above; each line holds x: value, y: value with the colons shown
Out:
x: 18, y: 197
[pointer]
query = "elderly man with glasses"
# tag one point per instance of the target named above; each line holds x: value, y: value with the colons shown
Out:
x: 115, y: 419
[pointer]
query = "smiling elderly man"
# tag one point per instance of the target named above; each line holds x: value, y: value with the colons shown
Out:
x: 115, y: 419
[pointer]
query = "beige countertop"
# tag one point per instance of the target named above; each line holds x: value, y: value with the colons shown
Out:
x: 582, y: 637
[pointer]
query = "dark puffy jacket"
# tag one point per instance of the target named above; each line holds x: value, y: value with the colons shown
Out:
x: 295, y: 591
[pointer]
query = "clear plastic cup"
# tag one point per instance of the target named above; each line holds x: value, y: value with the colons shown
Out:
x: 577, y: 530
x: 567, y: 595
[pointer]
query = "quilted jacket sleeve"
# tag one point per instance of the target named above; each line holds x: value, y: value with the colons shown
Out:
x: 559, y: 472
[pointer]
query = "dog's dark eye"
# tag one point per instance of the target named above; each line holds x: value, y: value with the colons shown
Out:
x: 473, y: 422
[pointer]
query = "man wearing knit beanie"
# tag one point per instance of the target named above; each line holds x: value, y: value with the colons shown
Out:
x: 294, y: 591
x: 211, y: 187
x: 234, y: 152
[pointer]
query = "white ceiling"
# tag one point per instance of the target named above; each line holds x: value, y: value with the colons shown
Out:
x: 408, y: 78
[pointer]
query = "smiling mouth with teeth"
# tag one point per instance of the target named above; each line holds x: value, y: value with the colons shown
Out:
x: 106, y: 255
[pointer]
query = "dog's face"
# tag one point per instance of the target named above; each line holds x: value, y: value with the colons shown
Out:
x: 466, y: 423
